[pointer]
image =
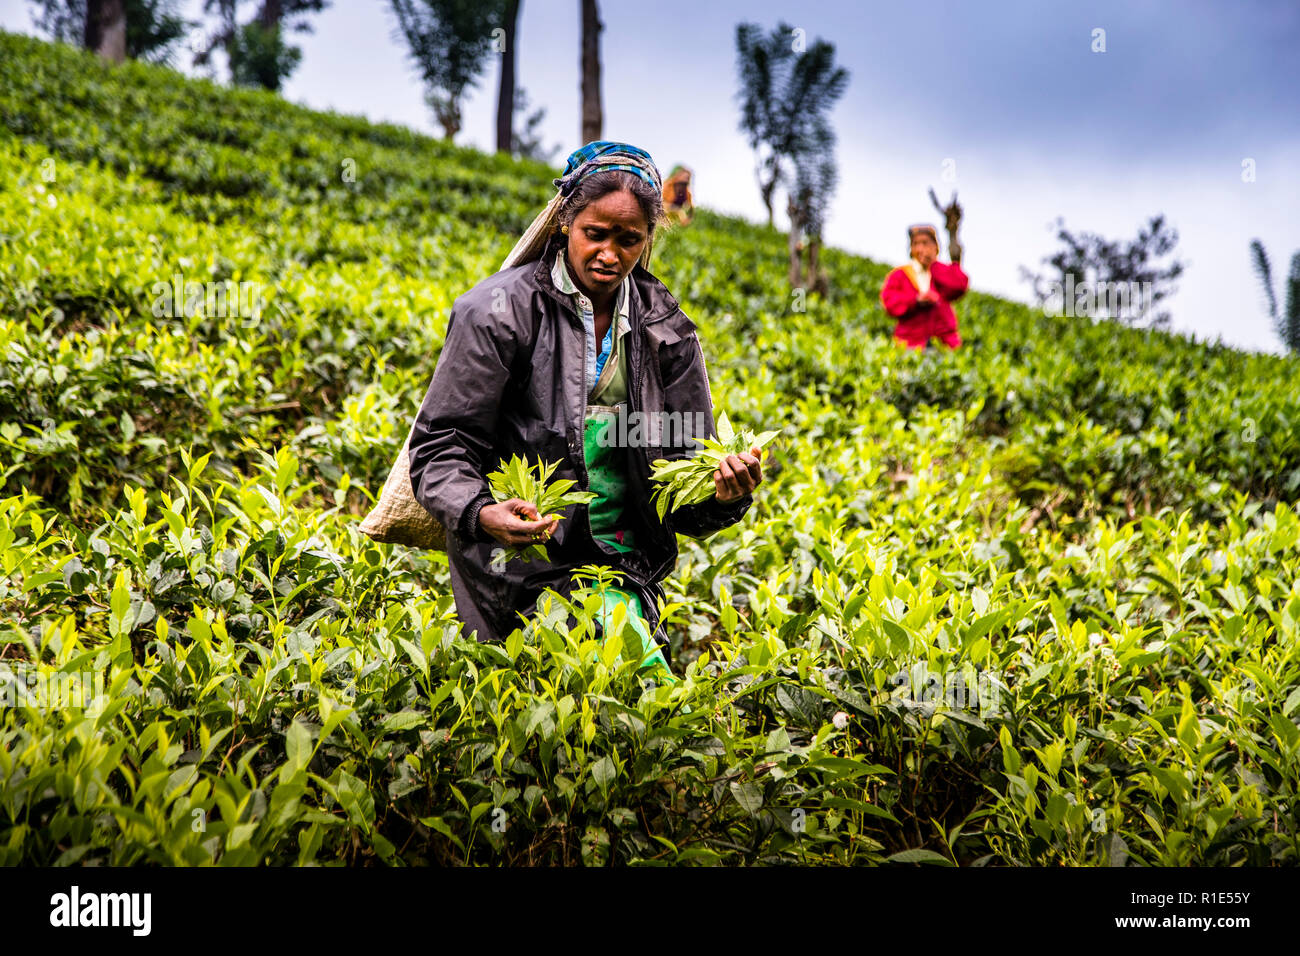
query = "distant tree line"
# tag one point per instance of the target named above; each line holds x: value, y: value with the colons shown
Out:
x: 256, y: 48
x: 788, y: 86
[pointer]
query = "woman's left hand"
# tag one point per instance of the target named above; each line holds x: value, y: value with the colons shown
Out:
x: 738, y: 475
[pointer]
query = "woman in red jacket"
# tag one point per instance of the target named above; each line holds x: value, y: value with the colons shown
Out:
x: 918, y: 294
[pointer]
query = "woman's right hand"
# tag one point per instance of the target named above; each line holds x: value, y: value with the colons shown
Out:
x: 516, y: 523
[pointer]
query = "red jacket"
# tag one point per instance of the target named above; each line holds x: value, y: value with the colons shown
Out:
x: 919, y: 321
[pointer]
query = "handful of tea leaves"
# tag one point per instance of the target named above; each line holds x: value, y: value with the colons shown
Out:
x: 518, y: 479
x: 685, y: 481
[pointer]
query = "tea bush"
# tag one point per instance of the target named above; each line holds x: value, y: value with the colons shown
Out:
x: 1032, y: 602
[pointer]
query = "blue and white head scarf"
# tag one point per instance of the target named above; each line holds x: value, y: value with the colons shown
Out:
x: 596, y: 157
x: 604, y: 156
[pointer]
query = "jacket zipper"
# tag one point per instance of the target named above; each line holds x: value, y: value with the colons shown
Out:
x: 634, y: 362
x: 634, y: 390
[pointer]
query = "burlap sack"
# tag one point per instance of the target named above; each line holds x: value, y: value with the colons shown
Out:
x: 398, y: 518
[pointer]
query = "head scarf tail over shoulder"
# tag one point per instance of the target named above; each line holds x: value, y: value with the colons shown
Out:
x: 596, y: 157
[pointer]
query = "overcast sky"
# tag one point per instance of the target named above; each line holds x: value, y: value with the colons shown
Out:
x: 1010, y: 95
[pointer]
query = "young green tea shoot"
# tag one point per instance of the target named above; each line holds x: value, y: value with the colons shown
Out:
x: 518, y: 479
x: 685, y: 481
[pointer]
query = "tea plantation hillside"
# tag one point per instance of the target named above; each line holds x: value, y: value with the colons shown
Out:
x: 1033, y: 602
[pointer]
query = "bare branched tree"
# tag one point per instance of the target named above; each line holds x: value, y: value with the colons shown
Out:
x: 1092, y: 263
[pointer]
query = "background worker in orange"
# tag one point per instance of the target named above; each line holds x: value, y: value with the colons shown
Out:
x: 919, y: 294
x: 678, y: 202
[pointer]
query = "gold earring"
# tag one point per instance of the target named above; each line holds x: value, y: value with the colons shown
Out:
x: 564, y: 229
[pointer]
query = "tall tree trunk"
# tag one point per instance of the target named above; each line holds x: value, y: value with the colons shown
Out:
x: 449, y: 118
x: 592, y: 115
x: 817, y: 278
x: 506, y: 94
x: 106, y: 29
x: 796, y: 265
x: 271, y: 14
x: 766, y: 191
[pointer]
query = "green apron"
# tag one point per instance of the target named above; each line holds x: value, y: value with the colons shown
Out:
x: 607, y: 478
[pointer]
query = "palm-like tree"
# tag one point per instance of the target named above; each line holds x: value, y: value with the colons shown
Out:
x: 785, y: 95
x: 1286, y: 322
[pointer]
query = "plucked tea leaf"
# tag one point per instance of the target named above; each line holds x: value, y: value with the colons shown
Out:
x: 686, y: 481
x: 518, y: 479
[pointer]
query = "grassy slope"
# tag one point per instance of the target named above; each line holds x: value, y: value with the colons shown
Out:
x: 1089, y: 517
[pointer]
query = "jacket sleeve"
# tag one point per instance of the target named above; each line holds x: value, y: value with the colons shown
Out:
x: 686, y: 389
x: 707, y: 517
x: 451, y: 446
x: 949, y: 280
x: 898, y: 295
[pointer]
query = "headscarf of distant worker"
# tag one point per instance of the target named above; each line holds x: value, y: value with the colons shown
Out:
x: 677, y: 193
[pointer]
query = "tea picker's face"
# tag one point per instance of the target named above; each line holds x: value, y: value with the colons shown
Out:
x: 924, y: 249
x: 605, y: 242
